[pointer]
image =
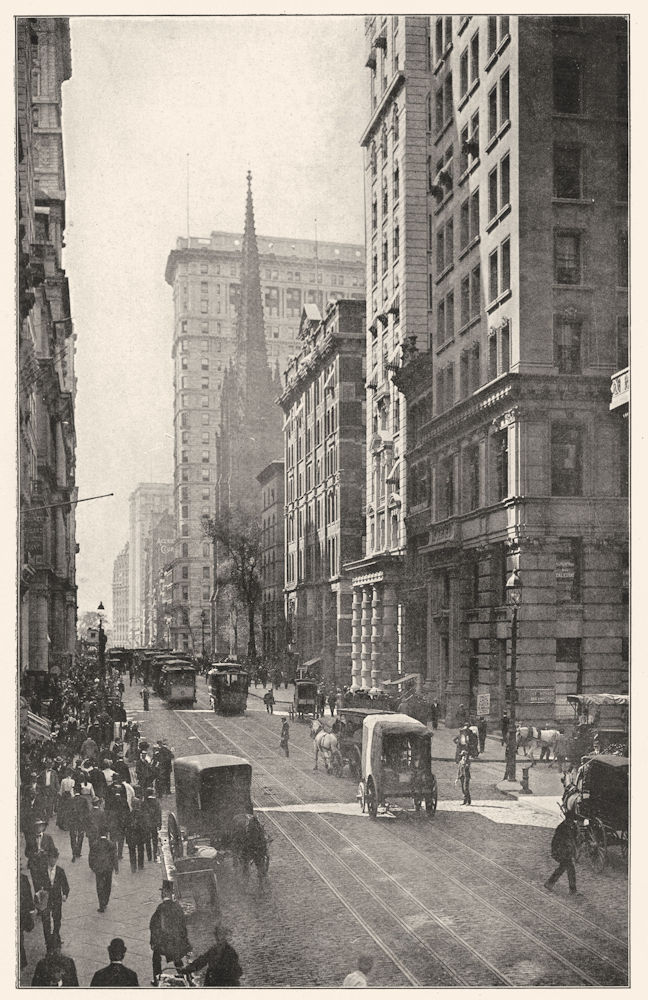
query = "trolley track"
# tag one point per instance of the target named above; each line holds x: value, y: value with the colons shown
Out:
x: 399, y: 893
x: 499, y: 871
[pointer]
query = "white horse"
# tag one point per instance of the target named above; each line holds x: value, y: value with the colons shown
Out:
x: 530, y: 738
x: 326, y: 743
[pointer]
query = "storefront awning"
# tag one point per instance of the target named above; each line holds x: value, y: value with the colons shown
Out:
x: 401, y: 680
x: 35, y: 728
x: 311, y: 663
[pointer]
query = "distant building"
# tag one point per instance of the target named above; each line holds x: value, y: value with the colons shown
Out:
x: 206, y: 277
x: 271, y: 570
x: 499, y: 144
x: 47, y: 384
x: 159, y: 553
x: 120, y: 632
x: 323, y: 404
x: 147, y: 503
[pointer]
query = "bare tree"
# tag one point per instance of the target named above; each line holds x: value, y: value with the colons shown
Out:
x: 238, y: 532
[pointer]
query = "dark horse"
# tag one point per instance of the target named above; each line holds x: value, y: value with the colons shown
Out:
x: 250, y: 844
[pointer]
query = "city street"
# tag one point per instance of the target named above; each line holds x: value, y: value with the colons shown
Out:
x: 456, y: 900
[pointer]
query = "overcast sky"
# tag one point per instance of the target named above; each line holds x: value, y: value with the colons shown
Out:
x: 286, y: 97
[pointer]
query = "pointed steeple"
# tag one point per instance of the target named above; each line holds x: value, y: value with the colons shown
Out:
x: 251, y: 352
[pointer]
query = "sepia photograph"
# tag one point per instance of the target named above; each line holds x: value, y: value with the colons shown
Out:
x: 322, y: 441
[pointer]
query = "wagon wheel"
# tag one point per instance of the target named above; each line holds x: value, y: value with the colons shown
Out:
x: 623, y: 839
x: 432, y: 799
x: 175, y: 837
x: 361, y: 796
x: 597, y: 845
x: 372, y: 799
x: 337, y: 764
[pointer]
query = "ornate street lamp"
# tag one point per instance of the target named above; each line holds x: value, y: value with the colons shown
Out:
x: 513, y: 600
x: 102, y: 639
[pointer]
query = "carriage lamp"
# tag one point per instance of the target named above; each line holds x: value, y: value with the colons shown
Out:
x: 513, y: 599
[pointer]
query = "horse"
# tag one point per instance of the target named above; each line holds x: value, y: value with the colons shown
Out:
x: 326, y: 743
x: 249, y: 843
x: 531, y: 738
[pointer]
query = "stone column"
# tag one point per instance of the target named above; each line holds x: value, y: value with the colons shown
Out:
x: 365, y: 669
x: 70, y: 622
x: 356, y: 639
x: 455, y: 694
x: 389, y: 633
x: 376, y: 638
x: 38, y: 625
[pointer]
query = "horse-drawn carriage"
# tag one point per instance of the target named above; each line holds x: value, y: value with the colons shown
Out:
x: 305, y: 698
x: 215, y: 816
x: 598, y: 801
x: 601, y: 724
x: 228, y: 685
x: 396, y: 764
x: 348, y: 729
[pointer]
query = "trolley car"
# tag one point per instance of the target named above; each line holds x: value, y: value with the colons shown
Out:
x: 178, y: 682
x: 228, y: 688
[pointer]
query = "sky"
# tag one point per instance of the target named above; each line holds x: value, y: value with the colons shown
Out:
x: 283, y: 96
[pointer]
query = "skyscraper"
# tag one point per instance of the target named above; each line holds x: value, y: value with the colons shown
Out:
x: 147, y: 503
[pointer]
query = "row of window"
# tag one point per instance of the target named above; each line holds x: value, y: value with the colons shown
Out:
x: 312, y: 561
x: 205, y: 548
x: 385, y: 198
x: 313, y: 475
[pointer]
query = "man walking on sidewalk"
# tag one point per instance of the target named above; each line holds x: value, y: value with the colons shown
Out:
x: 116, y: 974
x: 463, y: 774
x: 103, y: 861
x: 58, y: 890
x: 563, y: 850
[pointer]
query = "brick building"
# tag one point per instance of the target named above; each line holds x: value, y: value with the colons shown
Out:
x: 513, y: 461
x: 273, y: 621
x: 47, y: 384
x: 119, y: 635
x: 323, y: 404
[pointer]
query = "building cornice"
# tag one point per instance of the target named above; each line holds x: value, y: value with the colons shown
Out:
x: 393, y: 87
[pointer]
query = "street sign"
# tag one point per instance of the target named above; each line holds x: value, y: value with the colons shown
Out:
x: 483, y: 704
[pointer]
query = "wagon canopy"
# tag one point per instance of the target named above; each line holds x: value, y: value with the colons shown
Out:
x: 588, y: 701
x: 377, y: 727
x: 210, y: 790
x: 605, y: 778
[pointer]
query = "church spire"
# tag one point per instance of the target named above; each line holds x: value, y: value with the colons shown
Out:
x: 252, y: 357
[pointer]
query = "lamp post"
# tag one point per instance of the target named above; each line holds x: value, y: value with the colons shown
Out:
x: 513, y: 599
x: 102, y: 640
x: 203, y: 620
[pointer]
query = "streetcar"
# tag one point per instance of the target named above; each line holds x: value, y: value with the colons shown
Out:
x: 228, y: 685
x: 177, y: 683
x: 396, y: 764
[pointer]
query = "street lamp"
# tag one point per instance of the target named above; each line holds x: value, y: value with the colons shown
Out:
x: 203, y: 620
x: 102, y: 639
x: 513, y: 600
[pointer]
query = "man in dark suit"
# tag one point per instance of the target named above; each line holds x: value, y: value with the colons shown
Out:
x: 48, y: 783
x: 58, y: 889
x: 27, y: 911
x: 115, y: 974
x: 97, y: 822
x: 102, y: 859
x: 55, y: 970
x: 39, y: 845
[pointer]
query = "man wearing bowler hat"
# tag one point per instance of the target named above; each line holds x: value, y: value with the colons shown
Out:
x: 115, y: 974
x: 168, y: 929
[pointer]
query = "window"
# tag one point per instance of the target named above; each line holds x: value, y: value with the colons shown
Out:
x: 568, y: 571
x: 439, y: 37
x: 204, y: 382
x: 567, y: 258
x: 204, y: 402
x: 438, y: 109
x: 568, y: 181
x: 185, y: 572
x: 492, y: 112
x: 447, y: 97
x: 204, y: 495
x: 204, y: 364
x: 205, y: 572
x: 568, y: 653
x: 471, y: 477
x: 374, y: 268
x: 396, y: 184
x: 566, y: 460
x: 465, y: 300
x: 505, y: 266
x: 445, y: 246
x: 184, y: 362
x: 567, y: 345
x: 464, y: 374
x: 385, y: 255
x: 272, y: 301
x: 622, y: 343
x: 492, y: 34
x: 567, y: 85
x: 505, y: 181
x: 293, y: 302
x: 475, y: 291
x: 204, y: 475
x: 445, y: 495
x: 492, y: 193
x: 205, y: 457
x: 464, y: 224
x: 385, y: 199
x: 463, y: 73
x: 395, y: 128
x: 374, y: 213
x: 505, y: 98
x: 622, y: 259
x: 428, y: 113
x: 396, y: 251
x: 204, y: 418
x: 500, y: 446
x: 492, y: 276
x: 204, y: 306
x: 474, y: 58
x: 373, y: 161
x: 445, y: 319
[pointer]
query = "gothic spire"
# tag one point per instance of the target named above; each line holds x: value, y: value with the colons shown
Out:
x: 252, y: 357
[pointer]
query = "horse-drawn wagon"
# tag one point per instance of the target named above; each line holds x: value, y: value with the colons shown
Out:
x: 396, y: 764
x: 601, y: 724
x: 215, y: 816
x: 598, y: 801
x: 305, y: 699
x: 348, y: 729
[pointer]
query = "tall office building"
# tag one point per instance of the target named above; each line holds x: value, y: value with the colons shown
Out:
x: 496, y: 158
x: 147, y: 503
x: 120, y: 634
x: 271, y: 567
x: 206, y: 277
x: 47, y: 384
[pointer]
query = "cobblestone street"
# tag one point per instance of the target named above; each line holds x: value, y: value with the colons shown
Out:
x: 453, y: 900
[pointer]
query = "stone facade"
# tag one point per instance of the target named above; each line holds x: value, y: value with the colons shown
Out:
x: 120, y: 636
x: 147, y: 503
x: 273, y: 621
x: 512, y: 458
x: 47, y: 385
x: 323, y: 404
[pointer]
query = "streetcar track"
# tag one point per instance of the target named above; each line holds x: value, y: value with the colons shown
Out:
x: 348, y: 906
x: 606, y: 960
x: 580, y: 973
x: 485, y: 858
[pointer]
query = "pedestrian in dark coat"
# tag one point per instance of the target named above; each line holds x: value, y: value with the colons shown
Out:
x: 55, y: 969
x: 144, y: 695
x: 27, y: 913
x: 463, y: 774
x: 563, y: 850
x: 36, y: 852
x: 122, y: 770
x: 117, y: 815
x: 461, y: 715
x: 116, y: 974
x: 168, y: 928
x: 57, y: 887
x: 97, y: 822
x: 136, y: 833
x: 434, y: 714
x: 103, y: 861
x: 222, y: 961
x: 131, y: 674
x: 268, y: 701
x: 166, y: 764
x: 505, y: 726
x: 48, y: 783
x: 78, y: 812
x: 331, y: 702
x: 153, y: 816
x: 482, y: 730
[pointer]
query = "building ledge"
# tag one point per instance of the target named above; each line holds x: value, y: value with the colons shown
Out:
x: 392, y: 89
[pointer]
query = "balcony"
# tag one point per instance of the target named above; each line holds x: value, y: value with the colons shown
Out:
x: 620, y: 389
